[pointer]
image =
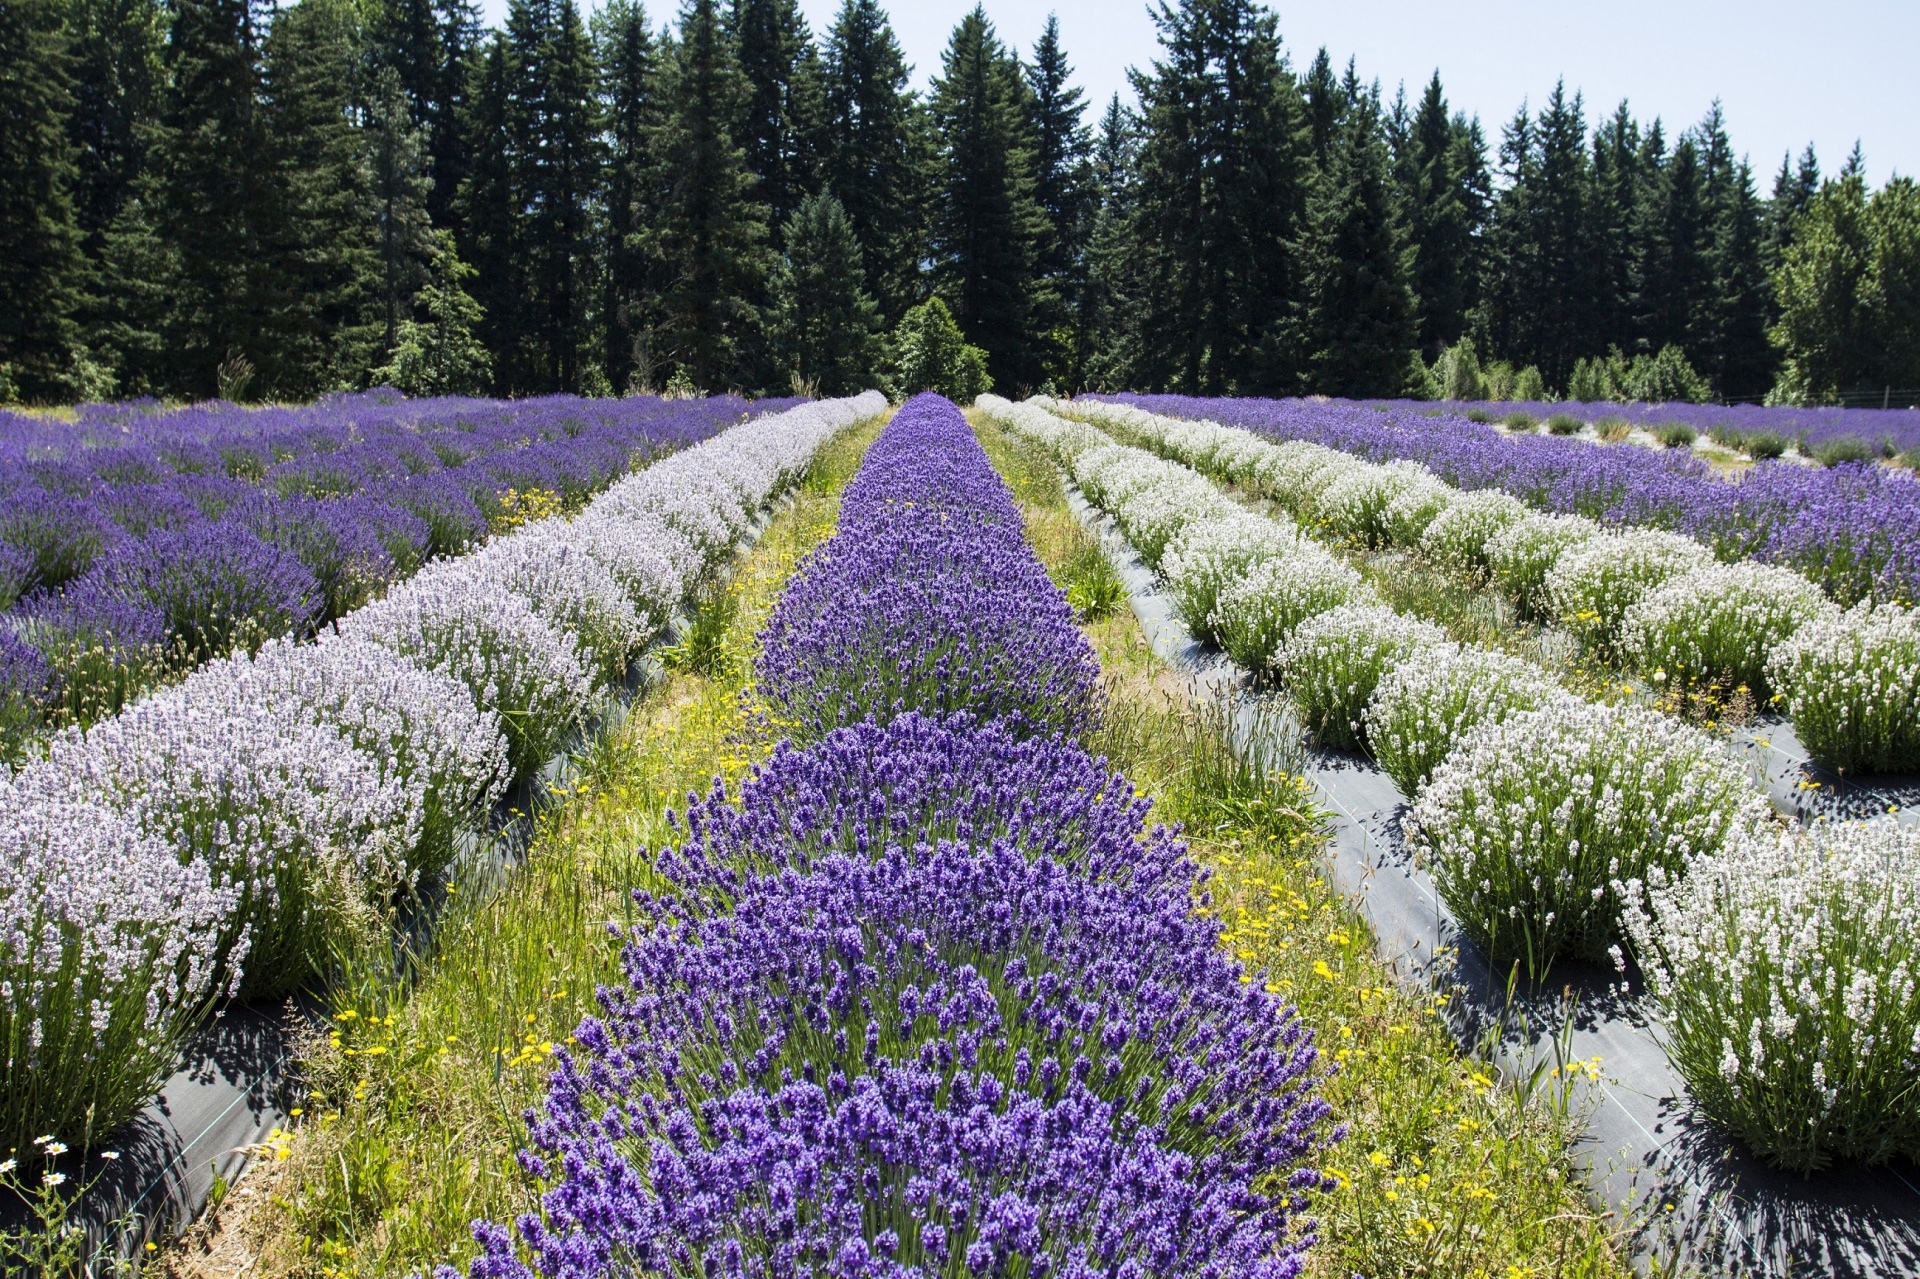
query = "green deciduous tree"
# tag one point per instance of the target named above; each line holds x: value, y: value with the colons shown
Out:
x: 440, y: 355
x: 930, y: 354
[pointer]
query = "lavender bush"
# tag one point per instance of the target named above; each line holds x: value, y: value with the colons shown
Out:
x: 1333, y: 661
x: 1259, y: 611
x: 1852, y: 687
x: 109, y: 952
x: 1720, y: 624
x: 1423, y: 707
x: 1209, y: 553
x: 1593, y: 583
x: 1785, y: 967
x: 1532, y: 822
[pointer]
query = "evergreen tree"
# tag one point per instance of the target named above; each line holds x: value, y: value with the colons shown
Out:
x: 987, y: 227
x: 218, y: 196
x: 1793, y: 190
x: 1356, y: 320
x: 325, y: 255
x: 710, y: 237
x: 1731, y: 346
x: 41, y: 267
x: 1672, y: 291
x: 117, y: 79
x: 1222, y: 180
x: 1613, y: 223
x: 872, y: 155
x: 824, y: 325
x: 1440, y: 222
x: 631, y: 106
x: 440, y: 355
x: 930, y: 354
x: 1325, y: 102
x: 1540, y: 304
x: 487, y: 220
x: 1893, y: 286
x: 399, y: 184
x: 554, y: 129
x: 782, y: 119
x: 1063, y: 188
x: 1108, y: 339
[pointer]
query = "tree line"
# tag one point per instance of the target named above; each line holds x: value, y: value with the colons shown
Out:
x: 210, y: 197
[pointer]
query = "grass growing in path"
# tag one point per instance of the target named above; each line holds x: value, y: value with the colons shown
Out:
x: 412, y: 1118
x: 1445, y: 1171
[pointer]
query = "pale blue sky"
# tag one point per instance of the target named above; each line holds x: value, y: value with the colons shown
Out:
x: 1786, y: 72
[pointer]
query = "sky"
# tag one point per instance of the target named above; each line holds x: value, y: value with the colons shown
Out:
x: 1787, y: 72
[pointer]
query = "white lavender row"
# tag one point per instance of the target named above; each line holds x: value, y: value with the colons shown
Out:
x: 218, y: 836
x: 1783, y: 963
x: 1658, y: 600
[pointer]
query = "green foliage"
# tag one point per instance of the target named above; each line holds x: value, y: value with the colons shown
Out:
x: 441, y: 355
x: 929, y: 354
x: 1675, y: 435
x: 822, y: 323
x: 1458, y: 372
x: 1564, y: 424
x: 1848, y: 290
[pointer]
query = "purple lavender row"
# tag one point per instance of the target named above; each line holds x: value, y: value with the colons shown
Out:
x: 1854, y: 529
x: 1884, y: 431
x: 222, y: 835
x: 928, y: 998
x: 138, y: 541
x: 927, y: 599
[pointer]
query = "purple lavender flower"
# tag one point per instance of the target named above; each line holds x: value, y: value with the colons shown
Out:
x: 219, y: 588
x: 927, y: 599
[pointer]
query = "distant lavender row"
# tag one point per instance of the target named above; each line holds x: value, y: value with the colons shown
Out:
x: 1853, y: 529
x: 1887, y: 430
x: 138, y: 540
x: 929, y: 998
x: 219, y: 836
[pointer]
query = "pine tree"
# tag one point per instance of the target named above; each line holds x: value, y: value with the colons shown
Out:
x: 553, y: 132
x: 399, y: 184
x: 440, y: 355
x: 873, y: 157
x: 1063, y: 188
x: 1893, y: 286
x: 324, y: 253
x: 218, y: 196
x: 824, y: 325
x: 1223, y: 174
x: 117, y: 80
x: 1793, y: 190
x: 1325, y: 102
x: 986, y: 227
x: 41, y: 267
x: 487, y: 220
x: 1613, y: 222
x: 782, y: 117
x: 1540, y: 308
x: 1730, y: 346
x: 1673, y: 288
x: 710, y: 237
x: 1356, y: 320
x: 629, y: 90
x: 1440, y: 223
x: 1108, y: 338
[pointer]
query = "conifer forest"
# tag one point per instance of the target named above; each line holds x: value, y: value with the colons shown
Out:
x: 219, y: 197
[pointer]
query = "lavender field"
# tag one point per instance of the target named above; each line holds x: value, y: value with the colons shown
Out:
x: 1853, y: 528
x: 136, y: 541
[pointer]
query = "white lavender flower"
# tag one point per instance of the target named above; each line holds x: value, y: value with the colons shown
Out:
x: 1530, y: 822
x: 1852, y: 687
x: 1787, y: 969
x: 513, y: 662
x: 1208, y: 553
x: 110, y: 946
x: 1258, y: 610
x: 1593, y: 583
x: 280, y: 808
x: 1520, y: 556
x: 1456, y: 540
x: 1422, y: 708
x: 1718, y: 624
x: 420, y: 728
x: 1333, y: 661
x: 576, y: 594
x: 1354, y: 506
x: 1414, y: 509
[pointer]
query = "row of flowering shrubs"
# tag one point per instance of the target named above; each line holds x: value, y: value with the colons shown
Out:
x: 926, y: 997
x: 136, y: 542
x: 1852, y: 528
x: 212, y: 839
x: 1655, y: 600
x: 1782, y: 961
